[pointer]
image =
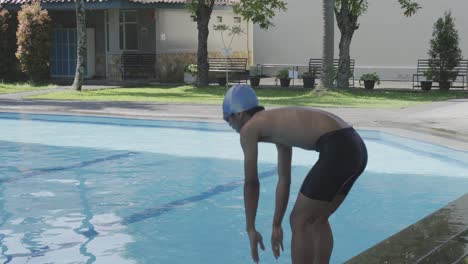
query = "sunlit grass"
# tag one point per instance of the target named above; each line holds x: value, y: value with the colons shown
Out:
x: 22, y: 87
x: 214, y: 95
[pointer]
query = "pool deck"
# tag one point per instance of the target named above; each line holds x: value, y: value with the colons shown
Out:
x: 439, y: 238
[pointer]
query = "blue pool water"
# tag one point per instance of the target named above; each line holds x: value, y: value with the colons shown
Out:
x: 107, y: 190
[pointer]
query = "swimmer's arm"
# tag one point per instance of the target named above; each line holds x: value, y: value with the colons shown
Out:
x: 284, y: 182
x: 251, y: 183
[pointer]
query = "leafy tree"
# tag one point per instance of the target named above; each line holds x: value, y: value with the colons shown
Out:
x: 232, y: 32
x: 445, y: 53
x: 34, y: 41
x: 81, y: 45
x: 347, y: 14
x: 7, y: 45
x: 258, y: 11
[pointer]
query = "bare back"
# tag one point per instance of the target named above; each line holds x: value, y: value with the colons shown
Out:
x: 292, y: 126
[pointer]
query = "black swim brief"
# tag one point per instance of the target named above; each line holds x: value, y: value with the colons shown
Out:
x: 343, y: 157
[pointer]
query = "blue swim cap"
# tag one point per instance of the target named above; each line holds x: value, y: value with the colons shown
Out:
x: 238, y: 98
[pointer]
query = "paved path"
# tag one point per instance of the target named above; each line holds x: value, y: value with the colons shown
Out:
x: 440, y: 122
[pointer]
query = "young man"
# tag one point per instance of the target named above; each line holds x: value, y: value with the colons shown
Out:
x: 343, y: 157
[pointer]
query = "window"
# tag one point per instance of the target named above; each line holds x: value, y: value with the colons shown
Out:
x: 219, y: 19
x: 237, y: 19
x: 128, y: 30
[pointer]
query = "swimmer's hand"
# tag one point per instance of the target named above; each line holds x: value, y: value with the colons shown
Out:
x: 255, y: 239
x: 277, y: 240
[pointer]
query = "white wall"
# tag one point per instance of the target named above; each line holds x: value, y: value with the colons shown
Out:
x: 177, y: 32
x: 386, y: 42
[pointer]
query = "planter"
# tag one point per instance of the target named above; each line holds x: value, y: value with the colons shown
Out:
x: 426, y: 85
x: 309, y: 82
x: 254, y: 81
x: 445, y: 85
x: 189, y: 78
x: 222, y: 81
x: 369, y: 84
x: 285, y: 82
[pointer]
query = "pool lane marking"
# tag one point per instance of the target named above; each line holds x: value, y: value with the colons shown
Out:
x: 428, y: 154
x: 160, y: 210
x: 138, y: 123
x: 37, y: 172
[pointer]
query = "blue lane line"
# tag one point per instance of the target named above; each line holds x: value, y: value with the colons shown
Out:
x: 62, y: 168
x: 425, y: 153
x: 160, y: 210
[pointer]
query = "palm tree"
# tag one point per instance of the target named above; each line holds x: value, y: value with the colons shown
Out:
x: 81, y: 47
x: 327, y: 75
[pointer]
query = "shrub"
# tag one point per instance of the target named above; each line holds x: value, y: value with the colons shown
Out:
x: 372, y: 76
x: 34, y: 41
x: 445, y: 53
x: 312, y: 73
x: 7, y: 45
x: 283, y: 74
x: 191, y: 68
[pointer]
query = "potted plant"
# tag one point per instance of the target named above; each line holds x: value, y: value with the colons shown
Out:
x: 222, y: 80
x: 308, y: 78
x: 426, y: 85
x: 190, y: 73
x: 369, y: 80
x: 444, y: 52
x: 254, y: 77
x: 283, y: 76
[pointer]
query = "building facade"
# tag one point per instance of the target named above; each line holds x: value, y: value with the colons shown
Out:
x: 161, y: 28
x: 386, y: 42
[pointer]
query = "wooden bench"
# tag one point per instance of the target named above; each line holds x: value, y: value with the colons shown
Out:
x: 137, y: 65
x: 317, y: 64
x: 238, y: 66
x: 423, y: 65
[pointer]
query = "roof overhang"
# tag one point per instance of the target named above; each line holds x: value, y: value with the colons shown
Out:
x: 20, y: 2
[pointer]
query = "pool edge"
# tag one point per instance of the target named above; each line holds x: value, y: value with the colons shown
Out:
x: 437, y: 238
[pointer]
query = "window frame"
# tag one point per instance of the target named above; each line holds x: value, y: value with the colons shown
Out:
x: 122, y: 25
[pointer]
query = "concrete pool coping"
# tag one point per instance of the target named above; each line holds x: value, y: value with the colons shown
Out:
x: 443, y: 123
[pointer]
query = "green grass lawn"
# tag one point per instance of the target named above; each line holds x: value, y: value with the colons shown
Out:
x: 22, y: 87
x: 214, y: 95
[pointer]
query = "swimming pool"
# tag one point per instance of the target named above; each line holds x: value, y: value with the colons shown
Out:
x: 113, y: 190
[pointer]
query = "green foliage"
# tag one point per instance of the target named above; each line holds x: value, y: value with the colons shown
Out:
x: 283, y: 74
x: 232, y: 32
x: 191, y: 68
x: 372, y: 76
x: 312, y: 73
x: 356, y: 7
x: 7, y: 45
x: 34, y: 41
x: 444, y: 53
x: 260, y: 12
x: 194, y: 5
x: 409, y: 7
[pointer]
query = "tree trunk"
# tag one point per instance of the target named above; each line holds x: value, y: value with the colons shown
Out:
x: 203, y: 18
x: 327, y: 75
x: 81, y: 45
x: 347, y: 23
x: 344, y: 73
